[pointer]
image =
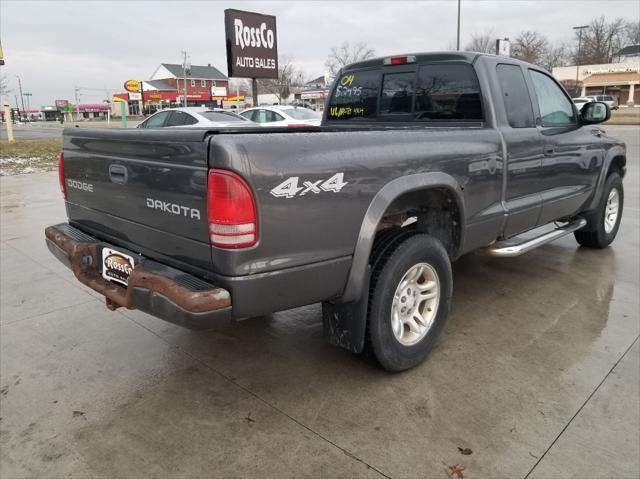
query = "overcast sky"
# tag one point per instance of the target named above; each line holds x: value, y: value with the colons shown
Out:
x: 55, y: 45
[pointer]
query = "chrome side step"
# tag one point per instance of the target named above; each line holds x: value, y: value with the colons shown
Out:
x: 509, y: 248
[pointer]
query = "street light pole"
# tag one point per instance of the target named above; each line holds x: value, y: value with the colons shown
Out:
x: 21, y: 97
x: 579, y: 29
x: 28, y: 95
x: 184, y: 77
x: 458, y: 40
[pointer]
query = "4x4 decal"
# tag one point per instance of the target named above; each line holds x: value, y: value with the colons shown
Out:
x: 289, y: 188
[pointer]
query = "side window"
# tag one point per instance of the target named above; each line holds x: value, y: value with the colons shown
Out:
x: 355, y: 96
x: 448, y: 92
x: 260, y: 116
x: 397, y: 93
x: 555, y: 107
x: 515, y: 96
x: 275, y: 116
x: 179, y: 118
x: 156, y: 121
x: 248, y: 115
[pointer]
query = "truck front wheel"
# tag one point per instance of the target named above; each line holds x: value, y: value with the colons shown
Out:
x: 603, y: 224
x: 409, y: 301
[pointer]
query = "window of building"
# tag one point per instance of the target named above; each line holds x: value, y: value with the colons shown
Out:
x: 203, y: 82
x: 193, y: 83
x: 515, y: 96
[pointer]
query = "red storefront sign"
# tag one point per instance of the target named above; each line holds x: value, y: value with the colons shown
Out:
x: 160, y: 95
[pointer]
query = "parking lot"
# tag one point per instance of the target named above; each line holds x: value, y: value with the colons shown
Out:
x: 535, y: 375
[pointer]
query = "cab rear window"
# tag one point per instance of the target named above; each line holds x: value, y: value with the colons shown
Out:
x: 355, y: 96
x: 432, y: 93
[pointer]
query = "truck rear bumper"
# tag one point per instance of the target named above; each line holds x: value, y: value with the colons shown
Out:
x: 154, y: 288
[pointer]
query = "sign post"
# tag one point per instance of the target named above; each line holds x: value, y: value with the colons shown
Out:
x: 252, y: 46
x: 135, y: 86
x: 8, y: 120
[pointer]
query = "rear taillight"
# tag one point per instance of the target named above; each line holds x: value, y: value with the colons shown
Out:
x: 63, y: 185
x: 231, y: 211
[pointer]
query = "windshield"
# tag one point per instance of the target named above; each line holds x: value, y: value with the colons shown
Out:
x: 220, y: 116
x: 302, y: 113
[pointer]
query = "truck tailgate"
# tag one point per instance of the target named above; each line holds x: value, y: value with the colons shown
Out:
x: 143, y: 188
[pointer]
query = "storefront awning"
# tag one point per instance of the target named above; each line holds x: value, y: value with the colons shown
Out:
x: 619, y: 78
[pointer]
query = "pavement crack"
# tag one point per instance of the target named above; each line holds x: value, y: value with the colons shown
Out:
x: 542, y: 456
x: 262, y: 400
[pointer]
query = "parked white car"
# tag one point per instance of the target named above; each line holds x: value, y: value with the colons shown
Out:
x: 282, y: 115
x: 194, y: 117
x: 609, y: 100
x: 582, y: 101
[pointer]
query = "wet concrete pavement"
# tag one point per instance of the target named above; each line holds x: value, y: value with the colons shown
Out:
x: 536, y: 372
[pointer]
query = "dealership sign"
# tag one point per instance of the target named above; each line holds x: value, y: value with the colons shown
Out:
x: 252, y: 45
x: 132, y: 85
x: 61, y: 104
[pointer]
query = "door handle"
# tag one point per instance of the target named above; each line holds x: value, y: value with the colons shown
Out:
x: 597, y: 132
x: 118, y: 174
x: 549, y: 150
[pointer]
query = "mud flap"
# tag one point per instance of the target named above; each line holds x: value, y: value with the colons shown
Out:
x: 345, y: 323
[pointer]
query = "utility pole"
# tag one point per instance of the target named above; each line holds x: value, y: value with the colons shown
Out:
x: 21, y: 97
x: 580, y: 28
x: 458, y: 40
x: 28, y: 95
x: 185, y: 68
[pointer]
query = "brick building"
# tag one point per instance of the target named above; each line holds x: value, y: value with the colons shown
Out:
x: 205, y: 85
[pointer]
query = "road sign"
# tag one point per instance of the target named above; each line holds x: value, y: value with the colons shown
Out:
x: 252, y: 44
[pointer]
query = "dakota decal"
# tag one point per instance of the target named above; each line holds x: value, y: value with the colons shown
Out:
x: 173, y: 208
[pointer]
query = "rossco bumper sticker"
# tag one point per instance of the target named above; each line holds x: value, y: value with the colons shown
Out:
x: 116, y: 266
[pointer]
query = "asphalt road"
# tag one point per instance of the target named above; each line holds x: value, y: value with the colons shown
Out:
x: 536, y: 373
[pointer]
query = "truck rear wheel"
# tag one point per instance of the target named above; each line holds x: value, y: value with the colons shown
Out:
x: 409, y: 301
x: 603, y: 224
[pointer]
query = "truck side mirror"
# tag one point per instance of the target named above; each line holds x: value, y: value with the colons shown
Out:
x: 594, y: 112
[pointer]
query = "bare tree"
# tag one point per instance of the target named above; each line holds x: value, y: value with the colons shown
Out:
x: 632, y: 33
x: 288, y: 75
x: 555, y: 56
x: 601, y: 41
x: 530, y: 46
x: 4, y: 86
x: 482, y: 42
x: 347, y: 53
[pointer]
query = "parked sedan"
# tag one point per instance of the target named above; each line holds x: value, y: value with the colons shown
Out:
x: 282, y: 115
x: 582, y: 101
x: 195, y: 117
x: 609, y: 100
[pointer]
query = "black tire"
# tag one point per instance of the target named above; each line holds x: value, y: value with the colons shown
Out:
x: 594, y: 235
x: 388, y: 272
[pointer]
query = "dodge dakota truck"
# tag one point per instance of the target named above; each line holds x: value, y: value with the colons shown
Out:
x: 419, y: 159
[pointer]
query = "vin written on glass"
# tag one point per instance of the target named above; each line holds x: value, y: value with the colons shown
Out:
x: 355, y: 96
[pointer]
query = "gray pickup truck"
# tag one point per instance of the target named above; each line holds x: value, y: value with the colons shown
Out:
x: 419, y: 160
